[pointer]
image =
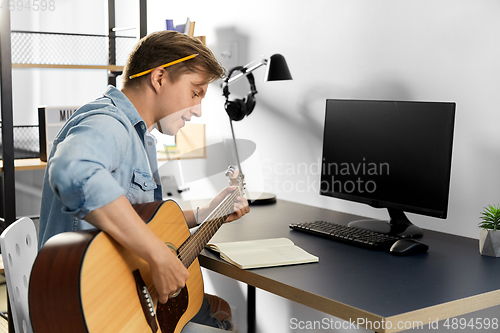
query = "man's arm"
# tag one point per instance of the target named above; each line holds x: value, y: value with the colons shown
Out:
x: 123, y: 224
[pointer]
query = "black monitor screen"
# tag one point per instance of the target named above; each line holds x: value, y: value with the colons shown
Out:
x: 390, y: 154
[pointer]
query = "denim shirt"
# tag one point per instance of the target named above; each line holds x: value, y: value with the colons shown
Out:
x: 102, y: 152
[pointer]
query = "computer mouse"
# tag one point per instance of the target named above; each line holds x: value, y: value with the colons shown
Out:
x: 407, y: 246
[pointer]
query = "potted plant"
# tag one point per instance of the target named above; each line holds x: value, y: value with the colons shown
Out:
x: 489, y: 236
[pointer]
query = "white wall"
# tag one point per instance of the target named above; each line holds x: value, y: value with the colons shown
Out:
x: 443, y: 50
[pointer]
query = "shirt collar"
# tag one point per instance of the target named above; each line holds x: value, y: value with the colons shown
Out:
x: 123, y: 103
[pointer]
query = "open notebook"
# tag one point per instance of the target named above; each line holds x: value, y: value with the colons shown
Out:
x: 262, y: 253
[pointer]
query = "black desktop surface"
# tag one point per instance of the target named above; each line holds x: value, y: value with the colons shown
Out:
x: 372, y: 281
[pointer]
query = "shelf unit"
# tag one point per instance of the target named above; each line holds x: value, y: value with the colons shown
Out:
x: 111, y: 68
x: 8, y: 164
x: 26, y: 164
x: 191, y: 142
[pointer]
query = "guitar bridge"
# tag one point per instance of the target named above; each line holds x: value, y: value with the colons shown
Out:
x: 147, y: 305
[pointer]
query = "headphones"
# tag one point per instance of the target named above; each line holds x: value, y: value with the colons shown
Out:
x: 239, y: 108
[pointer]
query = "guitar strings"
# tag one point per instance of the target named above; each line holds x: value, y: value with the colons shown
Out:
x: 208, y: 229
x: 151, y: 288
x: 192, y: 245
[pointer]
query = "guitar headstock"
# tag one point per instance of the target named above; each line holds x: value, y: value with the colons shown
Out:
x: 239, y: 179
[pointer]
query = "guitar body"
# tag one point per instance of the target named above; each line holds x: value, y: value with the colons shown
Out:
x: 87, y: 282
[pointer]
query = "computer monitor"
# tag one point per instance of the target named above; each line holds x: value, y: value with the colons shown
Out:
x: 389, y: 154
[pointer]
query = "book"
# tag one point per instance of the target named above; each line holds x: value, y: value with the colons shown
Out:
x: 202, y: 39
x: 262, y: 253
x: 191, y: 28
x: 187, y: 26
x: 169, y: 24
x: 180, y: 28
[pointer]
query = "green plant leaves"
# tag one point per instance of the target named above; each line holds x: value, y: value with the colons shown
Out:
x: 490, y: 218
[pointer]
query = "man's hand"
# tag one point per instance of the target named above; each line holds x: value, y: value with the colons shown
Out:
x: 168, y: 273
x: 121, y: 222
x: 240, y: 207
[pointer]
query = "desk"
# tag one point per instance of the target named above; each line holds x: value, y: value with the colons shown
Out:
x: 452, y: 279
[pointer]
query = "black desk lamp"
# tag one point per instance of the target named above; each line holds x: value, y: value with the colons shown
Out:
x: 277, y: 70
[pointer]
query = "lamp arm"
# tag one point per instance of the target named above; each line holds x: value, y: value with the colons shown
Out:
x: 235, y: 147
x: 247, y: 70
x: 247, y: 194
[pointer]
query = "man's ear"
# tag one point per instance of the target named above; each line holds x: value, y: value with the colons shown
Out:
x: 157, y: 75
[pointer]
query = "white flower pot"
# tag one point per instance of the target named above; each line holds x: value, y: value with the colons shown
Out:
x: 489, y: 242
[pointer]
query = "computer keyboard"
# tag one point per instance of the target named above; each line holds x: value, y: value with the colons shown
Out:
x: 351, y: 235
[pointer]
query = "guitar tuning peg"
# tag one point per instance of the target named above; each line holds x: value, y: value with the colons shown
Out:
x: 230, y: 170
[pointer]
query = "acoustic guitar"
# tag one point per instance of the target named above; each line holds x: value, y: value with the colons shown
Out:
x: 87, y: 282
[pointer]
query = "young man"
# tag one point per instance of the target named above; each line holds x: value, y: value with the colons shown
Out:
x: 104, y: 158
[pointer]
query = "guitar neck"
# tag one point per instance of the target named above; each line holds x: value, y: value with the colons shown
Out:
x: 189, y: 251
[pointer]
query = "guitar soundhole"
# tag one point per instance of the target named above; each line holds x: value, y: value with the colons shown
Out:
x: 170, y: 313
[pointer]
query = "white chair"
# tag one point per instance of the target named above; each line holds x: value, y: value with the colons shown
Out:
x: 19, y: 249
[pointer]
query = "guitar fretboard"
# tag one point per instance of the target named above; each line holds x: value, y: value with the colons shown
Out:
x: 190, y: 249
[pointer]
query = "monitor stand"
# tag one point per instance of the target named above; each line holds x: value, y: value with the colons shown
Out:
x: 399, y: 225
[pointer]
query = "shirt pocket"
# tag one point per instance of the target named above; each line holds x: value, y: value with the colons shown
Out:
x: 142, y: 187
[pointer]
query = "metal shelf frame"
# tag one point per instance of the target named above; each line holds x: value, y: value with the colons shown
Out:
x: 8, y: 163
x: 42, y: 49
x: 8, y: 174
